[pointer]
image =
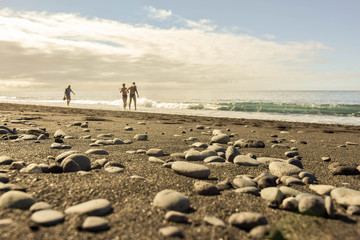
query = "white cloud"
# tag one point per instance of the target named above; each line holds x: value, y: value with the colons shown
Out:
x: 57, y: 49
x: 158, y: 13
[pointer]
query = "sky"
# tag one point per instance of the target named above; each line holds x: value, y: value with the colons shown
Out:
x: 180, y: 45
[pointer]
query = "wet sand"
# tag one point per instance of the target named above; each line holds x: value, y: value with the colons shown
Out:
x: 133, y: 214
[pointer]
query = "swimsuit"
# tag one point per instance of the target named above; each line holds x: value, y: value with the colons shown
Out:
x: 132, y: 95
x: 124, y: 95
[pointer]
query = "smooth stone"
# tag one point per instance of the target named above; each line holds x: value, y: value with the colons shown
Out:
x: 342, y: 169
x: 171, y: 200
x: 244, y: 160
x: 312, y: 206
x: 260, y: 232
x: 105, y: 135
x: 156, y: 160
x: 101, y: 162
x: 242, y: 182
x: 214, y: 221
x: 117, y: 141
x: 86, y: 130
x: 216, y: 148
x: 191, y: 169
x: 194, y: 155
x: 247, y: 220
x: 16, y: 199
x: 96, y: 207
x: 69, y: 137
x: 272, y: 194
x: 102, y: 142
x: 4, y: 187
x: 280, y: 146
x: 6, y: 221
x: 179, y: 156
x: 113, y: 164
x: 200, y: 127
x: 283, y: 169
x: 83, y: 173
x: 167, y: 165
x: 59, y: 134
x: 97, y: 152
x: 208, y: 153
x: 70, y: 166
x: 141, y: 123
x: 33, y: 169
x: 295, y: 162
x: 141, y: 137
x: 289, y: 204
x: 114, y: 170
x: 199, y: 145
x: 17, y: 165
x: 243, y: 143
x: 353, y: 210
x: 56, y: 146
x: 346, y: 196
x: 289, y: 192
x: 293, y: 181
x: 214, y: 159
x: 321, y: 189
x: 175, y: 216
x: 216, y: 132
x: 155, y: 152
x: 221, y: 138
x: 326, y: 159
x: 268, y: 160
x: 4, y: 178
x: 5, y: 160
x: 248, y: 190
x: 231, y: 153
x: 55, y: 168
x: 137, y: 177
x: 80, y: 159
x: 291, y: 154
x: 224, y: 185
x: 304, y: 174
x: 47, y: 217
x: 205, y: 188
x: 40, y: 206
x: 352, y: 144
x: 140, y: 151
x: 28, y: 137
x: 171, y: 231
x: 64, y: 155
x: 329, y: 207
x: 95, y: 224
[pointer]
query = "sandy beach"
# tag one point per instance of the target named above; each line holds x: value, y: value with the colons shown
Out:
x: 137, y: 171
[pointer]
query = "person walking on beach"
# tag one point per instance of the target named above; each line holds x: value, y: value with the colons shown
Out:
x: 67, y: 95
x: 124, y: 92
x: 133, y: 90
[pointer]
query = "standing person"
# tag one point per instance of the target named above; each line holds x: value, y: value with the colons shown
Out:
x: 133, y: 90
x: 124, y: 92
x: 67, y: 94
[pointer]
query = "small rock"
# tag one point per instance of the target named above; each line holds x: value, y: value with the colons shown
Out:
x: 97, y: 152
x: 283, y: 169
x: 171, y: 200
x: 214, y: 221
x: 240, y: 182
x: 191, y: 169
x: 321, y: 189
x: 47, y: 217
x: 5, y: 160
x: 289, y: 204
x: 353, y: 210
x: 248, y: 190
x: 205, y: 188
x: 247, y: 220
x: 329, y: 207
x: 16, y: 199
x: 231, y: 153
x: 141, y: 137
x: 272, y: 194
x: 95, y: 224
x: 175, y: 216
x: 346, y: 196
x: 171, y: 231
x: 96, y: 207
x: 40, y: 206
x: 342, y: 169
x: 312, y: 206
x: 155, y: 152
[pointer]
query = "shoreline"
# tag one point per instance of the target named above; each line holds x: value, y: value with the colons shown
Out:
x: 132, y: 113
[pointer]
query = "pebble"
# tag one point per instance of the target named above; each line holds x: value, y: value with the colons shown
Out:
x: 95, y: 224
x: 312, y: 206
x: 114, y: 170
x: 247, y: 220
x: 289, y: 204
x: 17, y: 165
x: 4, y: 178
x: 191, y: 169
x: 208, y: 153
x: 81, y: 160
x: 283, y: 169
x: 221, y: 138
x: 268, y: 160
x: 214, y: 221
x: 171, y: 200
x: 240, y: 182
x: 346, y: 196
x: 329, y: 207
x: 292, y: 181
x: 141, y: 123
x: 155, y: 152
x: 47, y: 217
x: 96, y: 207
x: 156, y: 160
x: 205, y: 188
x: 175, y: 216
x: 117, y: 141
x: 242, y: 143
x: 129, y: 128
x: 321, y: 189
x: 97, y: 152
x: 194, y: 155
x: 295, y: 162
x: 214, y: 159
x: 291, y: 154
x: 248, y: 190
x: 200, y: 127
x: 326, y: 159
x: 171, y: 231
x: 342, y: 169
x: 280, y: 146
x: 141, y: 137
x: 16, y: 199
x: 5, y: 160
x: 352, y: 144
x: 140, y: 151
x: 28, y: 137
x: 260, y: 232
x: 272, y: 194
x: 353, y: 210
x: 6, y: 221
x: 55, y: 168
x: 231, y: 153
x: 199, y: 145
x: 244, y: 160
x: 59, y: 134
x: 216, y: 148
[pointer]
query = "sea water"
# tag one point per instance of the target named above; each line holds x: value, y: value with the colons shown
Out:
x: 336, y: 107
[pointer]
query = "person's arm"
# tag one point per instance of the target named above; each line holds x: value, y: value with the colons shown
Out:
x: 72, y: 91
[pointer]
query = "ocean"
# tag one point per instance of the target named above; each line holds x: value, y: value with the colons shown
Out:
x: 334, y: 107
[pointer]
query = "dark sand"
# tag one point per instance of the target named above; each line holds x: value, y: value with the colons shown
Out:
x: 134, y: 216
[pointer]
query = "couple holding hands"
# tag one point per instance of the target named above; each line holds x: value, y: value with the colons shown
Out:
x: 132, y: 89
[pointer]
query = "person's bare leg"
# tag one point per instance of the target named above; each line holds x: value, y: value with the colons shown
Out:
x: 68, y: 102
x: 135, y: 102
x: 130, y: 103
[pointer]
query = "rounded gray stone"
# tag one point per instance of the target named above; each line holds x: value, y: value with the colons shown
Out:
x: 175, y: 216
x: 214, y: 221
x: 95, y: 224
x: 221, y: 138
x: 16, y: 199
x: 312, y: 206
x: 247, y: 220
x: 329, y: 207
x: 272, y: 194
x: 40, y: 206
x: 244, y: 160
x: 141, y: 137
x: 63, y: 155
x: 214, y: 159
x: 205, y: 188
x: 283, y: 169
x: 248, y: 190
x: 231, y: 153
x: 191, y: 169
x: 346, y: 196
x: 97, y: 152
x: 47, y: 217
x: 171, y: 200
x: 194, y: 155
x: 5, y: 160
x: 155, y: 152
x: 82, y: 160
x: 96, y: 207
x: 171, y: 231
x: 289, y: 204
x: 114, y: 170
x: 240, y: 182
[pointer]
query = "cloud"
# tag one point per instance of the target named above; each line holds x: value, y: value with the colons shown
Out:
x: 54, y: 50
x: 158, y: 13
